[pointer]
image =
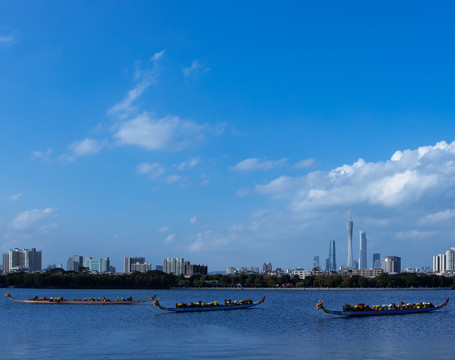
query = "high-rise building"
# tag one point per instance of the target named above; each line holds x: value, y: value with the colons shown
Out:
x: 141, y: 267
x: 444, y: 262
x: 376, y: 261
x: 332, y: 256
x: 439, y: 263
x: 128, y: 261
x: 363, y: 251
x: 193, y: 269
x: 267, y: 268
x: 350, y: 263
x: 450, y: 259
x: 74, y: 263
x: 22, y: 260
x: 316, y: 262
x: 5, y: 262
x: 15, y: 263
x: 391, y: 264
x: 32, y: 259
x: 97, y: 265
x: 173, y: 266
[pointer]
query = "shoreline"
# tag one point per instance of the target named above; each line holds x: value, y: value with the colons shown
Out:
x: 310, y: 289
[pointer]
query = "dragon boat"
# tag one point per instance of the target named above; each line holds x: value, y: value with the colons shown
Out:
x: 376, y: 310
x: 85, y: 301
x: 212, y: 306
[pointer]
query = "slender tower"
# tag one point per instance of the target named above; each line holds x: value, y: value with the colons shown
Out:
x: 332, y: 256
x: 350, y: 225
x: 363, y: 251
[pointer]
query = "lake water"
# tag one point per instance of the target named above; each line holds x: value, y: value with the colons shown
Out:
x: 286, y: 326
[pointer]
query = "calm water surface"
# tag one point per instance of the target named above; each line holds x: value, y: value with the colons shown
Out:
x: 286, y: 326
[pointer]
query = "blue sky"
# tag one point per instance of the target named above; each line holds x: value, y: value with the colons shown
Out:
x: 227, y: 133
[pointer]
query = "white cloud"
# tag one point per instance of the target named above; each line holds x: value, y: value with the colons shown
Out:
x: 83, y: 147
x: 157, y: 56
x: 440, y: 216
x: 30, y: 218
x: 278, y: 186
x: 242, y: 192
x: 208, y: 240
x: 188, y: 164
x: 168, y: 133
x: 42, y: 155
x: 171, y: 179
x: 415, y: 234
x: 7, y: 39
x: 304, y: 164
x: 204, y: 180
x: 252, y: 164
x: 193, y: 220
x: 15, y: 196
x: 155, y: 170
x: 404, y: 179
x: 126, y: 107
x: 194, y: 68
x: 169, y: 239
x: 163, y: 229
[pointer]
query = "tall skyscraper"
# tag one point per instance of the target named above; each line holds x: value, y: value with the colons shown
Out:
x: 450, y: 259
x: 391, y: 264
x: 173, y: 266
x: 350, y: 263
x: 363, y: 251
x: 316, y: 262
x: 74, y: 263
x: 332, y: 256
x: 129, y: 261
x: 376, y: 261
x: 22, y: 260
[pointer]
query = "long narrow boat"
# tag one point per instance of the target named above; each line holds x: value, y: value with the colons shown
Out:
x: 214, y: 306
x: 86, y: 301
x: 401, y: 309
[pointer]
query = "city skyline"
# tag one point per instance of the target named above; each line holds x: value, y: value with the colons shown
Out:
x: 145, y: 130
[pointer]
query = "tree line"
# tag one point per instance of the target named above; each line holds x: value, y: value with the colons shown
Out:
x: 61, y: 279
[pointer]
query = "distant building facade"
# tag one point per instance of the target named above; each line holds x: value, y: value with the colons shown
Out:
x: 144, y: 267
x: 173, y: 266
x: 301, y: 273
x: 332, y: 256
x: 350, y: 226
x: 267, y: 268
x: 74, y: 263
x: 22, y: 260
x: 391, y: 264
x: 193, y: 269
x: 371, y: 273
x: 444, y: 263
x: 376, y: 261
x: 132, y: 264
x: 316, y: 262
x: 98, y: 265
x: 363, y: 251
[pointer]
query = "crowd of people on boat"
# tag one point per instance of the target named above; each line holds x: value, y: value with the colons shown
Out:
x: 392, y: 306
x: 60, y: 299
x: 213, y: 303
